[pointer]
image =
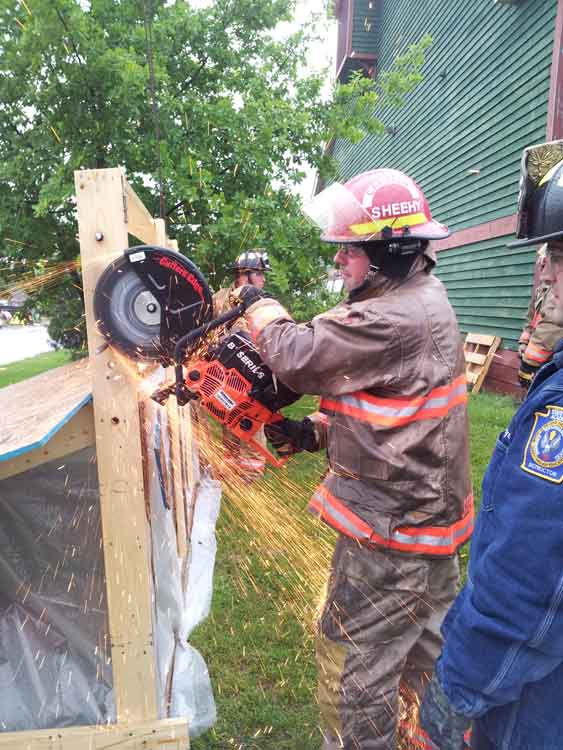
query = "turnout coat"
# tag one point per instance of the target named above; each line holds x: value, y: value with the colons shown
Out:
x: 388, y: 365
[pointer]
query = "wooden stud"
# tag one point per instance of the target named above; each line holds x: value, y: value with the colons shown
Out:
x: 104, y: 203
x: 139, y: 221
x: 160, y: 237
x: 175, y: 463
x: 168, y: 734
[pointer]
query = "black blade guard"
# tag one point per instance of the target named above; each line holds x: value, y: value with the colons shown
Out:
x: 149, y: 298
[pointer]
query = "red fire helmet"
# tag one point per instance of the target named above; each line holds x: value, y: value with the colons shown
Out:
x: 374, y: 201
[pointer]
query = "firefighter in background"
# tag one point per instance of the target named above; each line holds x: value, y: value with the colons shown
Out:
x: 249, y: 268
x: 544, y: 326
x: 540, y: 287
x: 389, y: 367
x: 502, y: 662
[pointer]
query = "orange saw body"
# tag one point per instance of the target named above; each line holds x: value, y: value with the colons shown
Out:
x: 225, y: 395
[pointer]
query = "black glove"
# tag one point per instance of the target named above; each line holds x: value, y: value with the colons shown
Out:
x: 526, y: 374
x: 437, y: 717
x: 292, y: 436
x: 247, y: 295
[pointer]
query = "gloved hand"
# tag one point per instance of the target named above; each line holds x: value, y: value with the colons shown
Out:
x: 445, y: 726
x: 526, y: 374
x: 292, y: 436
x: 247, y: 295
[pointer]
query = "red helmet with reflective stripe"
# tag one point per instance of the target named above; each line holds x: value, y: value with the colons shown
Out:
x: 379, y: 205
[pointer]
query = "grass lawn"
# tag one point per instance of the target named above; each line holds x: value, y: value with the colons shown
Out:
x: 257, y: 641
x: 27, y: 368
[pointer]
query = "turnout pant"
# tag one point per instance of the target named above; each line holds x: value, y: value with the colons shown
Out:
x: 378, y: 636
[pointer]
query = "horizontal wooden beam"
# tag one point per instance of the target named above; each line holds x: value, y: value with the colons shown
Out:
x: 168, y: 734
x: 479, y: 233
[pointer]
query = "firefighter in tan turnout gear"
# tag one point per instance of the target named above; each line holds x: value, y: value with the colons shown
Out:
x: 249, y: 268
x: 544, y: 326
x: 388, y: 366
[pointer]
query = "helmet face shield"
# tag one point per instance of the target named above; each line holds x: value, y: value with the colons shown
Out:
x: 540, y: 200
x: 382, y: 205
x: 335, y: 211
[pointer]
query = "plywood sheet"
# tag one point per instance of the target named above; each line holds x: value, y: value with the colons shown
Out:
x: 32, y: 411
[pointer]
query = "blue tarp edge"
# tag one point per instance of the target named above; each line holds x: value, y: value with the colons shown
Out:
x: 49, y: 435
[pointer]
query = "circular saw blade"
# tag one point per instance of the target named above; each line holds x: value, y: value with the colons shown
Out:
x: 147, y: 299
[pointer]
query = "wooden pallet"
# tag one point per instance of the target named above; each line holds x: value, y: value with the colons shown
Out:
x: 479, y: 350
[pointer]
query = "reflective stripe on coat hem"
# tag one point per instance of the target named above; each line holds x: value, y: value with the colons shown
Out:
x: 432, y: 540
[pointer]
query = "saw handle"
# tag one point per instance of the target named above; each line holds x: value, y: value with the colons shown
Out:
x: 186, y: 341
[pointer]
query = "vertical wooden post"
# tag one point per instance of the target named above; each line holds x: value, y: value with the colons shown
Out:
x: 102, y: 220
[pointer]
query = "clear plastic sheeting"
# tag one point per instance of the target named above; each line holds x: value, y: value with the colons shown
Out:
x: 191, y: 687
x: 183, y: 585
x: 55, y: 666
x: 55, y: 648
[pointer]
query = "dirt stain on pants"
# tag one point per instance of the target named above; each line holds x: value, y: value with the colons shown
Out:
x: 378, y: 636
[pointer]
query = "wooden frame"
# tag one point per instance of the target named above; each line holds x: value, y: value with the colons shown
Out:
x: 168, y: 734
x: 109, y: 211
x: 479, y: 350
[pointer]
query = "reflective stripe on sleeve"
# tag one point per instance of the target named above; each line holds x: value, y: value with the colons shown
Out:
x: 535, y: 354
x: 432, y: 540
x: 395, y: 412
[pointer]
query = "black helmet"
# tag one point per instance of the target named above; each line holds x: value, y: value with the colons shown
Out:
x: 540, y: 203
x: 252, y: 260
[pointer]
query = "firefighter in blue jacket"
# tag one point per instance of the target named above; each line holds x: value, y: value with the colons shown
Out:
x: 502, y: 661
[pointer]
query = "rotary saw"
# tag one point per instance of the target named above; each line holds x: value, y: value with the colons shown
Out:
x: 154, y: 305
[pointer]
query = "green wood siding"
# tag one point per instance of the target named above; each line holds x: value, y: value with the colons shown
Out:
x: 489, y: 286
x: 484, y: 97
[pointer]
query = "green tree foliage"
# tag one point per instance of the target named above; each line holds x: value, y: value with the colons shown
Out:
x: 209, y: 111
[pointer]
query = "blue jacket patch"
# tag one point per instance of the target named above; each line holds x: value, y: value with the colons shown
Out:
x: 543, y: 455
